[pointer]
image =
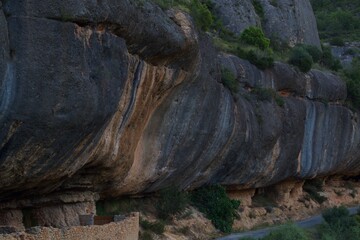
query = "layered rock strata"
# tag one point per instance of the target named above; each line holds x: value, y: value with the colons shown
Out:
x: 119, y: 97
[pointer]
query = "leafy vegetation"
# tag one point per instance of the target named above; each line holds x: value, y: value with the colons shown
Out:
x: 251, y: 45
x: 259, y: 53
x: 157, y: 227
x: 338, y: 19
x: 256, y: 37
x: 301, y: 58
x: 216, y: 205
x: 200, y: 10
x: 315, y: 53
x: 172, y: 201
x: 287, y: 232
x: 267, y: 94
x: 304, y: 56
x: 352, y: 78
x: 329, y: 61
x: 229, y: 80
x: 339, y: 225
x: 261, y: 59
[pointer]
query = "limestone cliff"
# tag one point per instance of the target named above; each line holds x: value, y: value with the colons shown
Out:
x: 119, y: 97
x: 287, y: 21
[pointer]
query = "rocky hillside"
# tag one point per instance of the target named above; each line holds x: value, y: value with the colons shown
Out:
x: 287, y: 21
x: 119, y: 97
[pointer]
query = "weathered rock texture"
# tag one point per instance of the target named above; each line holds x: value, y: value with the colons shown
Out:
x: 288, y: 21
x: 127, y: 229
x: 236, y: 15
x: 116, y: 98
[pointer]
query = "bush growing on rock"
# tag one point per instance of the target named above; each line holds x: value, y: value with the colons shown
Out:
x: 267, y: 94
x: 261, y: 59
x: 216, y: 205
x: 255, y: 36
x: 203, y: 17
x: 314, y: 52
x: 229, y: 80
x: 337, y: 41
x: 301, y: 58
x: 352, y: 77
x: 172, y: 201
x: 200, y: 10
x: 329, y: 61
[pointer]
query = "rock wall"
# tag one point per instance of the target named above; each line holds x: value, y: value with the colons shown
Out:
x: 287, y: 21
x: 127, y: 229
x: 118, y: 104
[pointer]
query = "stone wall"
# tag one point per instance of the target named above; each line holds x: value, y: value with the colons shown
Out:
x: 124, y: 230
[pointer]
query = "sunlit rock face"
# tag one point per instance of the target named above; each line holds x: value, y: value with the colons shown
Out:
x: 117, y: 98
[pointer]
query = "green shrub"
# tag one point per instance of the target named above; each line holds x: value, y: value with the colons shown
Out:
x: 287, y: 232
x: 329, y: 61
x: 353, y: 89
x: 200, y: 10
x: 339, y: 225
x: 255, y: 36
x: 279, y: 100
x: 172, y: 201
x: 352, y: 77
x: 120, y: 206
x: 229, y: 80
x: 314, y: 52
x: 216, y: 205
x: 261, y: 59
x: 333, y: 215
x: 203, y: 17
x: 156, y: 227
x: 263, y: 94
x: 337, y: 41
x: 267, y: 94
x: 337, y: 21
x: 301, y: 58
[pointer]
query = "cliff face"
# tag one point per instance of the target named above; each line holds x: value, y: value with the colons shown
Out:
x: 118, y: 97
x: 287, y: 21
